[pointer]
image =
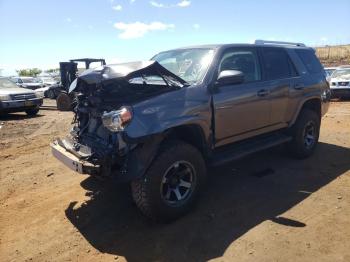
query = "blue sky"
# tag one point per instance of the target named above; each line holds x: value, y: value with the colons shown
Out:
x: 38, y: 33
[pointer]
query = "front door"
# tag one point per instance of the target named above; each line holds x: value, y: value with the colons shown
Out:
x: 240, y: 108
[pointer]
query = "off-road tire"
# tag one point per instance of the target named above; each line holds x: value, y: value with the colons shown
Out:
x: 297, y: 146
x: 32, y: 112
x: 146, y: 191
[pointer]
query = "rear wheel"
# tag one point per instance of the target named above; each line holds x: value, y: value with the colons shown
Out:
x: 32, y: 112
x: 172, y: 184
x: 305, y: 134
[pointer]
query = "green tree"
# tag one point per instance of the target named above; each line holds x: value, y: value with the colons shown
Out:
x: 52, y: 70
x: 29, y: 72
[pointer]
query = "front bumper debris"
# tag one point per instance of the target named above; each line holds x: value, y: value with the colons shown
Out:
x: 72, y: 161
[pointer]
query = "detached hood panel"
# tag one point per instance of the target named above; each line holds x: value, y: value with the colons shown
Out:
x: 126, y: 71
x: 110, y: 86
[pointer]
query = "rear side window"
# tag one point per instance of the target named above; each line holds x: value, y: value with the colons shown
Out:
x: 310, y: 61
x: 277, y: 64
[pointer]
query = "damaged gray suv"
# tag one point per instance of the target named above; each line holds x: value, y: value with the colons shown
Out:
x: 159, y: 124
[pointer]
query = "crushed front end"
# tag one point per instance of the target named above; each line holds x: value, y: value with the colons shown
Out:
x: 91, y: 147
x: 97, y: 144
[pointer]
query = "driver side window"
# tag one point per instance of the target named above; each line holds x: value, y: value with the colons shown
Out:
x: 244, y: 60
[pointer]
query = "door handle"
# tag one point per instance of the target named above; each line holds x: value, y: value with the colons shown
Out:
x: 298, y: 86
x: 263, y: 92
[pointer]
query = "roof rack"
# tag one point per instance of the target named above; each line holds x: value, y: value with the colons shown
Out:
x: 264, y: 42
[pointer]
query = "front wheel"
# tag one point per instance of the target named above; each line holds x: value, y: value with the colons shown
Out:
x: 32, y: 112
x: 172, y: 184
x: 50, y: 94
x: 305, y: 133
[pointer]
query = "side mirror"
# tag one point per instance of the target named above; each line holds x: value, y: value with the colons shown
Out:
x: 230, y: 77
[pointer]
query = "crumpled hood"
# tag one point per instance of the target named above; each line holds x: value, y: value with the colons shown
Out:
x: 124, y: 71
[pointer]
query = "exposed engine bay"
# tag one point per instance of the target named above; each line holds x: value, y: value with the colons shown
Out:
x: 100, y: 115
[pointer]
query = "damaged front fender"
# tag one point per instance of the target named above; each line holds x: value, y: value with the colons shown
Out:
x: 140, y: 158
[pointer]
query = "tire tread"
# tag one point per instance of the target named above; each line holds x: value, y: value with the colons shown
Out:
x: 139, y: 187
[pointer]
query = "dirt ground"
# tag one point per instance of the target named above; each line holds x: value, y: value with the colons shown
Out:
x: 267, y: 207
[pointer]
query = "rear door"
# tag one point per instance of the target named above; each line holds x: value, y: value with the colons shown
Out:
x: 240, y: 108
x: 279, y: 75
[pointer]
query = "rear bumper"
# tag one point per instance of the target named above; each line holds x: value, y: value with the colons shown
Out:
x: 72, y: 161
x: 20, y: 105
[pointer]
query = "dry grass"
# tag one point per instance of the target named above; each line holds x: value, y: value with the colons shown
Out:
x: 334, y: 55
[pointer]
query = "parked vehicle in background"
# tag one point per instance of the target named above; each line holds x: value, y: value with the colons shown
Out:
x: 18, y: 99
x: 340, y: 82
x: 69, y: 71
x: 54, y: 91
x: 28, y: 82
x: 47, y: 80
x: 13, y: 79
x: 158, y: 124
x: 329, y: 71
x: 40, y: 92
x: 50, y: 91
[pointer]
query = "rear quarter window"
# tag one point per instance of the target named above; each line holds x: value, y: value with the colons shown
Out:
x: 310, y: 61
x: 277, y: 64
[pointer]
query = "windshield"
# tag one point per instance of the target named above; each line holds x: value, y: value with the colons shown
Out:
x: 30, y: 80
x: 329, y: 72
x: 189, y: 64
x: 341, y: 73
x: 5, y: 83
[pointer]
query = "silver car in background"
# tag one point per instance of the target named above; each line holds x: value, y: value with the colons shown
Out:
x: 29, y: 82
x: 329, y: 71
x: 340, y: 83
x: 47, y: 80
x: 18, y: 99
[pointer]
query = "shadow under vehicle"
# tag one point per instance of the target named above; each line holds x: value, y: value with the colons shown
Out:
x: 239, y: 197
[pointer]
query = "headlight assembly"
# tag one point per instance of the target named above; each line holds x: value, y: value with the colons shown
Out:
x: 39, y: 94
x: 117, y: 120
x: 5, y: 98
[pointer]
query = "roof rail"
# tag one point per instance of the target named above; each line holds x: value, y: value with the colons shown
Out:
x: 263, y: 42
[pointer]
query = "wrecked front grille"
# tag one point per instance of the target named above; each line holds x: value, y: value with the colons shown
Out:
x: 22, y: 96
x: 95, y: 136
x: 343, y: 83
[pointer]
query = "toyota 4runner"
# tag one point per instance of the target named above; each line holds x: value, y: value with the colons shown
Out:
x: 159, y: 124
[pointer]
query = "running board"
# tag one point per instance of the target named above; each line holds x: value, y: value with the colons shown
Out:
x: 244, y: 148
